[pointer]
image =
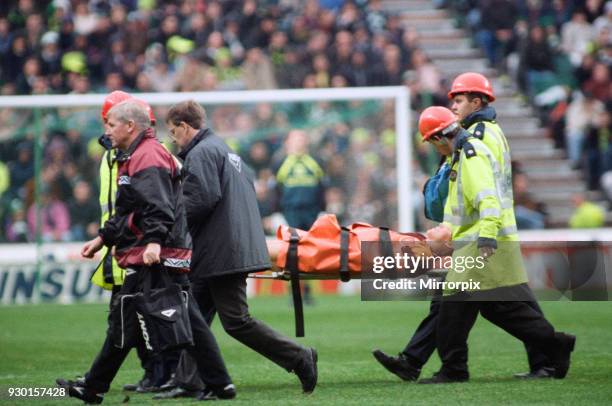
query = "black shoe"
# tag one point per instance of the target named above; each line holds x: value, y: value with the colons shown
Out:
x: 399, y: 365
x: 542, y: 373
x: 141, y: 387
x: 130, y: 387
x: 441, y: 378
x: 561, y: 362
x: 306, y: 370
x: 176, y: 393
x: 169, y: 385
x: 227, y: 392
x: 77, y: 389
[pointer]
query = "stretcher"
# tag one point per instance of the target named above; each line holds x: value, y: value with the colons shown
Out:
x: 329, y: 252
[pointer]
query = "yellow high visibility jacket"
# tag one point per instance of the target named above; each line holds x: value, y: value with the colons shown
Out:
x: 480, y: 205
x: 108, y: 273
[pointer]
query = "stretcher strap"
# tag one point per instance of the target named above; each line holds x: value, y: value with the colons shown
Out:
x: 345, y: 275
x: 386, y: 246
x: 292, y: 265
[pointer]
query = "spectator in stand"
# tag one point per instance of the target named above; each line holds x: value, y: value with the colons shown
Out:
x: 321, y: 70
x: 392, y: 70
x: 575, y: 37
x: 54, y: 216
x: 341, y: 52
x: 593, y: 9
x: 581, y: 113
x: 604, y: 22
x: 21, y: 170
x: 599, y: 149
x: 537, y: 62
x: 427, y: 73
x: 6, y: 37
x: 530, y: 214
x: 17, y: 226
x: 599, y: 83
x: 587, y: 214
x: 257, y: 71
x: 497, y: 19
x: 85, y: 213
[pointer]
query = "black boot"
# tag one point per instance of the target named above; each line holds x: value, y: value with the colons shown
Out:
x: 561, y: 360
x: 306, y: 370
x: 399, y: 365
x: 78, y: 389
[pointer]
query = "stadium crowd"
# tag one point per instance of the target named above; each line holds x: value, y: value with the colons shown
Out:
x: 69, y: 46
x: 559, y: 52
x: 58, y: 47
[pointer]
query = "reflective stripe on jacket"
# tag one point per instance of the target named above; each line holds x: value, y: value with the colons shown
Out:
x: 108, y: 273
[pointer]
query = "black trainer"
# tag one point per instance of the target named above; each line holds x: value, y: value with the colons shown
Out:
x: 145, y: 385
x: 399, y: 365
x: 227, y: 392
x: 176, y: 393
x: 169, y: 385
x: 439, y: 378
x: 306, y: 370
x: 77, y: 389
x: 541, y: 373
x: 567, y: 342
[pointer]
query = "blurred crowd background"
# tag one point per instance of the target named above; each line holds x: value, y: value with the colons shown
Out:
x: 557, y: 52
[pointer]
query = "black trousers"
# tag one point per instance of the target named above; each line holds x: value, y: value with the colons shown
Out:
x: 226, y: 296
x: 205, y: 351
x: 522, y: 320
x: 423, y: 342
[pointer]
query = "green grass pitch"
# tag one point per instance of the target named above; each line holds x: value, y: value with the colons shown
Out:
x: 42, y: 342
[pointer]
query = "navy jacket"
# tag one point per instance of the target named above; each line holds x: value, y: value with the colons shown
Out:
x: 222, y: 212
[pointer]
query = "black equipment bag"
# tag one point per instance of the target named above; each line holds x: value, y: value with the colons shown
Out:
x: 162, y: 313
x: 123, y: 323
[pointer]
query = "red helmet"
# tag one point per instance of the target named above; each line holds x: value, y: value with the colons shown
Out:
x: 148, y: 108
x: 112, y: 100
x: 471, y: 82
x: 436, y: 119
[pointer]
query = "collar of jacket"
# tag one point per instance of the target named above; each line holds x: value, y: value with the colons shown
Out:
x: 486, y: 114
x: 125, y: 155
x: 460, y: 139
x: 195, y: 141
x: 105, y: 142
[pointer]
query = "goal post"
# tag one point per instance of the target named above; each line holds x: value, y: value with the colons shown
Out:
x: 399, y: 95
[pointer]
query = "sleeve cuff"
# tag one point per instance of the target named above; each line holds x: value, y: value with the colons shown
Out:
x: 487, y: 242
x: 105, y: 239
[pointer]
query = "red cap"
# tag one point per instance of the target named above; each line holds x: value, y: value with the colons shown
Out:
x: 148, y: 109
x: 435, y: 119
x: 471, y: 82
x: 112, y: 100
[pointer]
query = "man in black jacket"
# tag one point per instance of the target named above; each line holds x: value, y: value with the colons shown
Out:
x: 149, y: 231
x: 228, y: 243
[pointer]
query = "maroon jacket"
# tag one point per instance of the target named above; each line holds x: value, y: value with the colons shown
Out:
x: 149, y: 207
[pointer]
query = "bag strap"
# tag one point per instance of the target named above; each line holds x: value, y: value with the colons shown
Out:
x: 148, y: 277
x: 292, y: 265
x: 107, y: 262
x: 345, y: 275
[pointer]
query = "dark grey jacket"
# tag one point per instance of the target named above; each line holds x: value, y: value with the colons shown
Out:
x: 222, y: 212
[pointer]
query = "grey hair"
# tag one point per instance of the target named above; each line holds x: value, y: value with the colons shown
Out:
x: 131, y: 111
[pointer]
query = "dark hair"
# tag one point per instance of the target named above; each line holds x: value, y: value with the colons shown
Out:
x: 483, y: 98
x: 189, y: 112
